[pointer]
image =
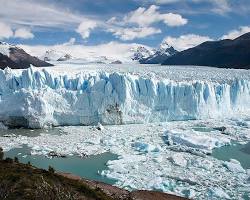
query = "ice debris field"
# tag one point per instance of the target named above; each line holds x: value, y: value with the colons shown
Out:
x: 162, y: 122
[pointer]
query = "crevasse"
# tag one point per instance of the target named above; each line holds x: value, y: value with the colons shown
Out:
x: 38, y: 98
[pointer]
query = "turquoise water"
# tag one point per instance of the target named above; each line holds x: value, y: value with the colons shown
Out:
x: 235, y: 151
x: 85, y: 167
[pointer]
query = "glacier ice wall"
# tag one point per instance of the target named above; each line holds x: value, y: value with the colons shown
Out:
x: 38, y: 98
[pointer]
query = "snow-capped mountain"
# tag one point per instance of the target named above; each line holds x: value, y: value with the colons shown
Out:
x: 16, y: 58
x: 53, y: 55
x: 160, y: 55
x: 140, y: 53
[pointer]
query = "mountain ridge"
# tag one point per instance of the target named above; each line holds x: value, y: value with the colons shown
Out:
x: 16, y: 58
x: 155, y: 56
x: 223, y: 54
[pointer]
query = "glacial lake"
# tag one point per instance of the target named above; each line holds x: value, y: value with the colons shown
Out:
x: 235, y: 151
x: 87, y: 167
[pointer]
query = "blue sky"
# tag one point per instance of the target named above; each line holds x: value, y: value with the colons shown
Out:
x: 182, y: 23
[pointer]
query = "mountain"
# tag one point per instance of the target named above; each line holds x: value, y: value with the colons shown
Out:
x: 224, y: 53
x: 53, y: 55
x: 140, y: 53
x: 16, y: 58
x: 160, y: 55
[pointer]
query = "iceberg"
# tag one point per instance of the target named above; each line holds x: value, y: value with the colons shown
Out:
x: 193, y: 139
x: 38, y: 98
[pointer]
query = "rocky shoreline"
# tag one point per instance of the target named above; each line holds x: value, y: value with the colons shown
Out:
x: 122, y: 194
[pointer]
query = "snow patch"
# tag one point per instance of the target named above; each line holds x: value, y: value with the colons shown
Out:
x: 5, y: 48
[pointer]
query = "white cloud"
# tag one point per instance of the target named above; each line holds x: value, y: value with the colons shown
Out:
x: 132, y: 33
x: 159, y: 2
x: 34, y: 13
x: 138, y: 23
x: 5, y: 31
x: 23, y: 33
x: 145, y: 17
x: 236, y: 33
x: 186, y: 41
x: 221, y: 6
x: 42, y: 15
x: 85, y: 28
x: 166, y: 1
x: 216, y: 6
x: 70, y: 42
x: 174, y: 19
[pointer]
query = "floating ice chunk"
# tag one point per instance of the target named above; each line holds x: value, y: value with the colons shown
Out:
x: 218, y: 193
x: 99, y: 127
x: 234, y: 166
x: 144, y: 147
x: 178, y: 159
x: 194, y: 139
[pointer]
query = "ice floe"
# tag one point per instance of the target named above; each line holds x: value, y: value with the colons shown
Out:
x: 146, y: 161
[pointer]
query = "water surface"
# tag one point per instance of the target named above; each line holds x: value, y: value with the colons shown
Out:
x: 235, y: 151
x: 88, y: 167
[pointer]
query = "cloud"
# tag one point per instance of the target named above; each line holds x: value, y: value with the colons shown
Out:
x: 34, y: 13
x: 186, y: 41
x: 139, y: 23
x: 145, y: 17
x: 166, y: 1
x: 220, y: 6
x: 133, y: 33
x: 70, y: 42
x: 5, y: 31
x: 86, y: 27
x: 23, y: 33
x: 236, y: 33
x: 42, y: 15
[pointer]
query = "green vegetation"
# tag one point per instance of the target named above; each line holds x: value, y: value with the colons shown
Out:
x: 51, y: 170
x: 23, y: 181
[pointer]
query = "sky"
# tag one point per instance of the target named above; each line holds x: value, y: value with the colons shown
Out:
x: 181, y: 23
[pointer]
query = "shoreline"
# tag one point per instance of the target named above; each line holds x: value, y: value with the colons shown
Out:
x: 24, y: 181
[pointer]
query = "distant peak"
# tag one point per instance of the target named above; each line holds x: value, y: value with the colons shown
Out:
x: 4, y: 43
x: 245, y: 36
x: 140, y: 52
x: 7, y: 44
x: 164, y: 45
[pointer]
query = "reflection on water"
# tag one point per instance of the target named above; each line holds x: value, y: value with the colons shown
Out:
x: 235, y: 151
x: 85, y: 167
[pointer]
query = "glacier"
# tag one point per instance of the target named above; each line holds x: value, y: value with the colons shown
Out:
x: 38, y: 98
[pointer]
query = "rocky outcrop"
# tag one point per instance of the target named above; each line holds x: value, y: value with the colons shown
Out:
x: 16, y: 58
